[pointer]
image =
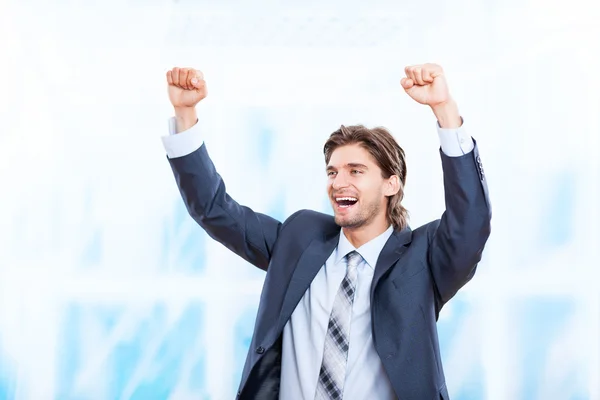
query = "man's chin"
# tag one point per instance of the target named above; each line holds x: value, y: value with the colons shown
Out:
x: 345, y: 222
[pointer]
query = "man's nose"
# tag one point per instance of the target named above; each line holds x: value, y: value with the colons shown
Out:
x: 340, y: 181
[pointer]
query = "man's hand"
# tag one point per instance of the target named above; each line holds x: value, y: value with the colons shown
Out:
x: 426, y: 84
x: 186, y: 88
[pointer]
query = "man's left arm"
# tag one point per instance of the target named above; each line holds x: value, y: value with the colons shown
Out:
x: 457, y: 243
x: 458, y: 239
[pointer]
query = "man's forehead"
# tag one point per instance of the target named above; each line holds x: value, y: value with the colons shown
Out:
x: 350, y: 155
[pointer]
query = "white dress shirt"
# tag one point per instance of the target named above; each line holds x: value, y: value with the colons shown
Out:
x: 304, y: 333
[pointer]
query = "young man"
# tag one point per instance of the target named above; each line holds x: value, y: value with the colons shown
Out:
x: 350, y: 302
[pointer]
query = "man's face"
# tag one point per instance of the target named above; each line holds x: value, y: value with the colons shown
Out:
x: 356, y: 188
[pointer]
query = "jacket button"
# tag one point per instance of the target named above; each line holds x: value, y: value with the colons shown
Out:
x: 260, y: 349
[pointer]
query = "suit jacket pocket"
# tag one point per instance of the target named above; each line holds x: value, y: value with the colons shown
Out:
x: 405, y: 278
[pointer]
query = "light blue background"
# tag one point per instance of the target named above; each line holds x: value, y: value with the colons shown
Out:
x: 108, y: 289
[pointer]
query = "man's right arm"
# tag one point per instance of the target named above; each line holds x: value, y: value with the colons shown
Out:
x: 249, y: 234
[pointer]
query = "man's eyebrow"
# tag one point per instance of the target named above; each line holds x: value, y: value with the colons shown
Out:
x: 349, y: 165
x: 357, y: 165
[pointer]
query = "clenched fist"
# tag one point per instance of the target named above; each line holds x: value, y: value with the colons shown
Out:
x: 426, y: 84
x: 186, y: 87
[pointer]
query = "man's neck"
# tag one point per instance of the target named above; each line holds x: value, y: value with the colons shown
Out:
x: 364, y: 234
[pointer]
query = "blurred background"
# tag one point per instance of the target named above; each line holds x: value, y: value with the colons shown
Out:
x: 109, y: 290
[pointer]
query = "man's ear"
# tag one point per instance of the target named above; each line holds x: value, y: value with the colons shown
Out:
x: 392, y: 185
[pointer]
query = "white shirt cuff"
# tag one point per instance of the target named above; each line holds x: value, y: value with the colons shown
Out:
x: 182, y: 143
x: 455, y: 142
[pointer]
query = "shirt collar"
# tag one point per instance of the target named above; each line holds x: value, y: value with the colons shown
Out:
x: 369, y: 251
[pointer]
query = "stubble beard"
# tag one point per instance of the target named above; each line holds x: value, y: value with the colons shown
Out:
x: 360, y: 219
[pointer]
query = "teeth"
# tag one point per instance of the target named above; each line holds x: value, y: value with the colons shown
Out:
x: 346, y: 198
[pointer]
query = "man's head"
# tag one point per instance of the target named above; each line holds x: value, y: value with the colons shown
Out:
x: 366, y: 173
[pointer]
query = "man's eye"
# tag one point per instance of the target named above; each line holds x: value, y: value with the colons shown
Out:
x: 355, y: 171
x: 330, y: 173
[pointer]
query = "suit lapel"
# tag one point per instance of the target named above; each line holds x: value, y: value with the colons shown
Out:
x: 317, y: 253
x: 309, y: 264
x: 391, y: 252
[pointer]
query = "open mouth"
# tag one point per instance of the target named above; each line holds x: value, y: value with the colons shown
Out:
x: 345, y: 202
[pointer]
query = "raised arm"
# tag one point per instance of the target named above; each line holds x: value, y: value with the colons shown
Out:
x: 249, y: 234
x: 458, y: 238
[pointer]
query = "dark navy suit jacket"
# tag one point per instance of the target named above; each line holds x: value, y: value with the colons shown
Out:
x: 417, y: 272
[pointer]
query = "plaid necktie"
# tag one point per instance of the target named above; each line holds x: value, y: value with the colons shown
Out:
x: 335, y: 355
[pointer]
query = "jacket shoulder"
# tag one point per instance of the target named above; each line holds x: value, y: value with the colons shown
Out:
x: 427, y: 230
x: 310, y: 221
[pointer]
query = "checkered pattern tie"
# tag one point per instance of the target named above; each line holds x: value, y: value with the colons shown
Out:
x: 337, y: 340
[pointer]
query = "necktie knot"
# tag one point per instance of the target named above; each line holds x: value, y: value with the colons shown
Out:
x: 353, y: 259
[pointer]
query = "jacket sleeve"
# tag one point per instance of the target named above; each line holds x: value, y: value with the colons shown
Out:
x: 249, y: 234
x: 458, y: 239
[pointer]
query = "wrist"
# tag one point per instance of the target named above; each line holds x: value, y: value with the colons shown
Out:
x: 447, y: 114
x: 185, y: 117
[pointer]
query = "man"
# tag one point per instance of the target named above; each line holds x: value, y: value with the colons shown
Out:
x: 350, y: 303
